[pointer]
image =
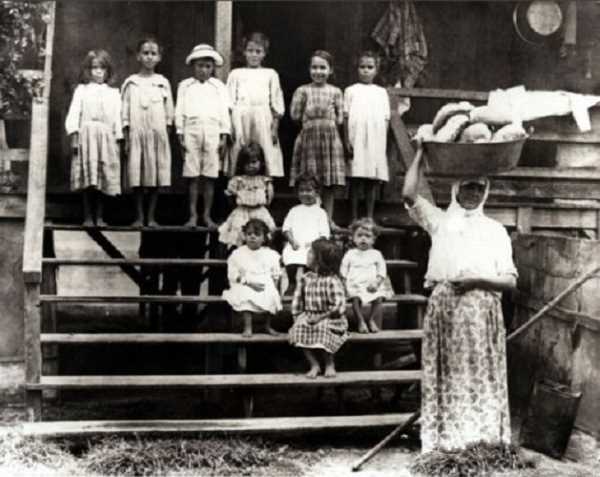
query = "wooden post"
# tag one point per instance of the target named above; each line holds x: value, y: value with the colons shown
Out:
x: 33, y: 350
x: 223, y: 34
x: 524, y: 219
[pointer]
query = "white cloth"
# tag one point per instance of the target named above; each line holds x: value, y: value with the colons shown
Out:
x: 262, y: 266
x: 463, y: 242
x: 202, y: 102
x: 307, y: 223
x: 95, y: 102
x: 360, y: 269
x: 256, y: 98
x: 367, y: 108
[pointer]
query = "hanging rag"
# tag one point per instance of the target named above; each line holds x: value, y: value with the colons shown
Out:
x: 401, y: 35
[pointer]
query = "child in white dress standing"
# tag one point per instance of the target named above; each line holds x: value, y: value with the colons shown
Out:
x: 94, y: 126
x: 303, y: 224
x: 257, y: 105
x: 365, y: 275
x: 147, y: 120
x: 203, y: 123
x: 252, y: 190
x: 366, y: 120
x: 254, y: 271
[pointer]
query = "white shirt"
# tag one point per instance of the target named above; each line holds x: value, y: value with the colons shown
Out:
x: 307, y: 223
x: 202, y: 102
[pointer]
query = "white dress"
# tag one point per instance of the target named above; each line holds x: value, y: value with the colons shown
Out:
x: 256, y: 96
x: 263, y: 266
x: 360, y: 268
x: 307, y: 223
x: 367, y: 108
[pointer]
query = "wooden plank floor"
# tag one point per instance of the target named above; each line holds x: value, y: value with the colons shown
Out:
x: 248, y: 425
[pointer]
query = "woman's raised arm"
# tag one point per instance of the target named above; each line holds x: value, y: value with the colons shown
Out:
x: 410, y: 190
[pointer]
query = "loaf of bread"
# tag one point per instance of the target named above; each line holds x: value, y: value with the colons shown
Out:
x: 510, y: 132
x: 449, y: 110
x: 425, y: 132
x: 453, y: 128
x: 478, y: 132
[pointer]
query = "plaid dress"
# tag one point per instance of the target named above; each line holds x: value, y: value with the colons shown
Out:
x: 318, y: 148
x: 315, y: 295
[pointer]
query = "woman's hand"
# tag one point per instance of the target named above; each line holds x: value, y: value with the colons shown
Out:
x: 256, y: 286
x: 295, y: 244
x: 463, y: 285
x: 372, y: 287
x: 314, y: 319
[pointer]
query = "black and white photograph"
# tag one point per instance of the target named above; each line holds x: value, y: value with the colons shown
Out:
x: 300, y: 238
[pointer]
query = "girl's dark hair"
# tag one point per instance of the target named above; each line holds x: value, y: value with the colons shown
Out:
x: 369, y: 54
x: 257, y: 225
x: 149, y: 39
x: 258, y: 38
x: 365, y: 223
x: 327, y: 255
x: 252, y: 149
x: 308, y: 178
x: 86, y: 66
x: 324, y: 54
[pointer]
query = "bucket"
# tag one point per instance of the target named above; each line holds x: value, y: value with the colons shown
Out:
x: 472, y: 159
x: 550, y: 418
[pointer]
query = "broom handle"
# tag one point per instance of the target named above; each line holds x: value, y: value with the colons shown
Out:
x: 551, y: 304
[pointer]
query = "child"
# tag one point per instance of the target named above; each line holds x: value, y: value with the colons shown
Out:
x: 252, y: 191
x: 365, y: 275
x: 318, y: 308
x: 366, y: 119
x: 94, y: 125
x: 254, y: 271
x: 147, y: 119
x: 202, y: 122
x: 318, y: 148
x: 303, y: 224
x: 257, y: 103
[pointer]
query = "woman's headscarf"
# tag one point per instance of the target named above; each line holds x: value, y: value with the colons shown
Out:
x: 457, y: 214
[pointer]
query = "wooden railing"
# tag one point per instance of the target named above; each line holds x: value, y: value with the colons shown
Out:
x: 34, y: 225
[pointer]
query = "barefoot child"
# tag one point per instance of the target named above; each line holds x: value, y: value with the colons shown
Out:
x: 147, y: 119
x: 318, y: 308
x: 203, y: 123
x: 257, y: 104
x: 254, y: 271
x: 252, y: 191
x: 364, y: 272
x: 366, y: 119
x: 318, y: 148
x: 94, y: 125
x: 303, y: 224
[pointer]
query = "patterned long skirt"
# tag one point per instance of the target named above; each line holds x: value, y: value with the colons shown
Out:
x: 318, y: 150
x: 464, y: 389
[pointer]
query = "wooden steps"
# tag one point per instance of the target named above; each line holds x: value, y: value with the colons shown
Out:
x: 383, y: 336
x: 236, y: 426
x: 346, y: 378
x: 411, y: 299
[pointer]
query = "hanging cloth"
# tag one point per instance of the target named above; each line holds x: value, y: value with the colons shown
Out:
x: 401, y: 35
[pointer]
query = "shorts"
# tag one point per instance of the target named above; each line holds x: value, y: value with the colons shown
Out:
x: 202, y: 155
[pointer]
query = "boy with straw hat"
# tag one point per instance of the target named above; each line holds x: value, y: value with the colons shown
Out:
x: 203, y: 123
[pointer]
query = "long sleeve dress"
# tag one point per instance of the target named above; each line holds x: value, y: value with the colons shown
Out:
x: 315, y: 295
x: 464, y: 387
x: 256, y: 99
x: 318, y: 148
x: 148, y: 110
x: 95, y: 114
x: 263, y: 266
x: 360, y: 268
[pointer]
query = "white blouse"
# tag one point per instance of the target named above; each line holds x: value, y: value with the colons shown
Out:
x: 95, y: 102
x: 463, y: 243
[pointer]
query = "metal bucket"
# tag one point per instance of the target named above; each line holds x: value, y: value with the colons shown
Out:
x: 468, y: 159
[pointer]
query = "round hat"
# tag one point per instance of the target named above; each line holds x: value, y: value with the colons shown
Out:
x: 204, y: 50
x: 538, y: 21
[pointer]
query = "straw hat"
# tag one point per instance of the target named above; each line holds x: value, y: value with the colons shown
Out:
x: 204, y: 51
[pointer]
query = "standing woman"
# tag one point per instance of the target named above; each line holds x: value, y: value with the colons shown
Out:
x: 464, y: 388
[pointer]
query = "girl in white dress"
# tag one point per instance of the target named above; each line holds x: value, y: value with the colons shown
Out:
x: 365, y: 275
x: 257, y: 102
x: 94, y: 126
x: 303, y: 224
x: 148, y: 114
x: 254, y: 271
x: 366, y: 120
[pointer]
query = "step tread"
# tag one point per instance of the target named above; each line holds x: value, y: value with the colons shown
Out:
x: 256, y: 338
x: 224, y: 380
x: 176, y: 261
x: 173, y: 228
x: 400, y: 298
x: 247, y: 425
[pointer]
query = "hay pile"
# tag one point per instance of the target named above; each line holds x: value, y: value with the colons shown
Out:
x: 477, y: 460
x: 30, y: 452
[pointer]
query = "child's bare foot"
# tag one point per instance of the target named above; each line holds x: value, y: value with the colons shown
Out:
x: 100, y: 222
x: 152, y: 223
x: 139, y: 222
x: 362, y: 327
x: 330, y: 371
x: 88, y: 222
x: 210, y: 223
x: 247, y: 333
x: 373, y: 328
x: 192, y: 222
x: 273, y: 332
x: 313, y: 372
